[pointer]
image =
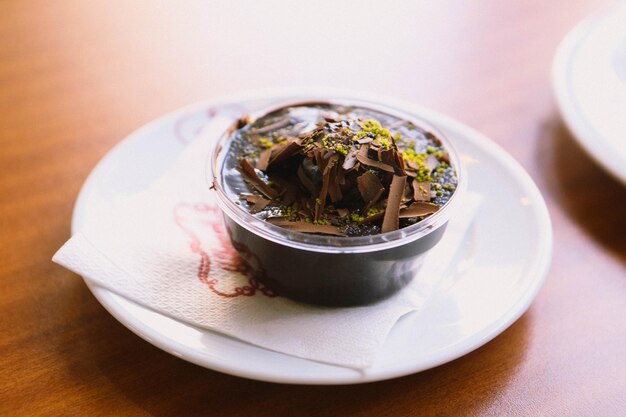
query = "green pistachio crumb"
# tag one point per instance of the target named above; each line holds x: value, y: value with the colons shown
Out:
x: 385, y: 143
x: 266, y: 143
x: 373, y: 211
x: 356, y: 218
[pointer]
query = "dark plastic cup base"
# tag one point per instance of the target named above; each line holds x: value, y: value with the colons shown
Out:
x: 331, y: 279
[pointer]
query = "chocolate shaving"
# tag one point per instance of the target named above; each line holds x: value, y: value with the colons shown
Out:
x: 341, y: 176
x: 304, y: 213
x: 305, y: 227
x: 250, y: 174
x: 391, y: 219
x: 306, y: 181
x: 362, y: 157
x: 421, y: 190
x: 350, y: 161
x: 343, y: 212
x: 418, y: 209
x: 370, y: 188
x: 250, y: 198
x: 320, y: 202
x: 408, y: 192
x: 258, y: 202
x: 311, y: 134
x: 326, y: 168
x: 333, y: 187
x: 317, y: 154
x: 264, y: 158
x: 365, y: 140
x: 413, y: 165
x: 291, y: 194
x: 387, y: 156
x: 292, y: 147
x: 326, y: 155
x: 272, y: 126
x: 239, y: 123
x: 399, y: 163
x: 278, y: 183
x: 433, y: 138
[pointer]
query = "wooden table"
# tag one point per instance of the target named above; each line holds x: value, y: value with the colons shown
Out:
x: 76, y: 77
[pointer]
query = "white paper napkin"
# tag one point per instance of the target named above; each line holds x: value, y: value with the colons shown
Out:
x: 165, y: 248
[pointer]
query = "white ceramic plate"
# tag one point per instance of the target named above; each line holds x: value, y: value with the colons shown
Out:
x: 502, y: 264
x: 589, y: 79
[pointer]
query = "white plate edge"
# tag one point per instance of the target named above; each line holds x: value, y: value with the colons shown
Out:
x: 582, y: 130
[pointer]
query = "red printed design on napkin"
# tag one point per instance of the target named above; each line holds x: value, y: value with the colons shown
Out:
x: 188, y: 217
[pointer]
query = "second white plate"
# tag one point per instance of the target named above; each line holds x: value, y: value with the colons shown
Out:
x: 589, y: 79
x: 502, y: 265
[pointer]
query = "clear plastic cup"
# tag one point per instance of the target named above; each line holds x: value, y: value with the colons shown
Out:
x: 332, y: 270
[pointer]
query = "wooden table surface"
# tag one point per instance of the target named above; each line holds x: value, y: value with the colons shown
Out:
x: 76, y: 77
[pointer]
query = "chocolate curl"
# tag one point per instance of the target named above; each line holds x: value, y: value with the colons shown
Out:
x: 341, y: 176
x: 391, y: 220
x: 362, y: 157
x: 307, y: 182
x: 413, y: 165
x: 305, y: 227
x: 250, y: 174
x: 305, y: 208
x: 387, y: 156
x: 264, y: 159
x: 239, y: 123
x: 320, y: 203
x: 272, y: 126
x: 432, y: 137
x: 334, y: 190
x: 350, y: 161
x: 343, y: 212
x: 418, y: 209
x: 292, y: 191
x: 317, y: 154
x: 292, y: 147
x: 421, y: 190
x: 258, y: 202
x: 400, y: 169
x: 370, y: 188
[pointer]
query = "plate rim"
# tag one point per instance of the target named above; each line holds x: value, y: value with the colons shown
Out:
x: 539, y: 268
x: 582, y: 130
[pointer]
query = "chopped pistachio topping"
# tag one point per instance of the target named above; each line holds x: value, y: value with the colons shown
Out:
x: 266, y: 143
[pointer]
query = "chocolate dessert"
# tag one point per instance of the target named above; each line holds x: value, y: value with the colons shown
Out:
x: 334, y: 203
x: 337, y: 170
